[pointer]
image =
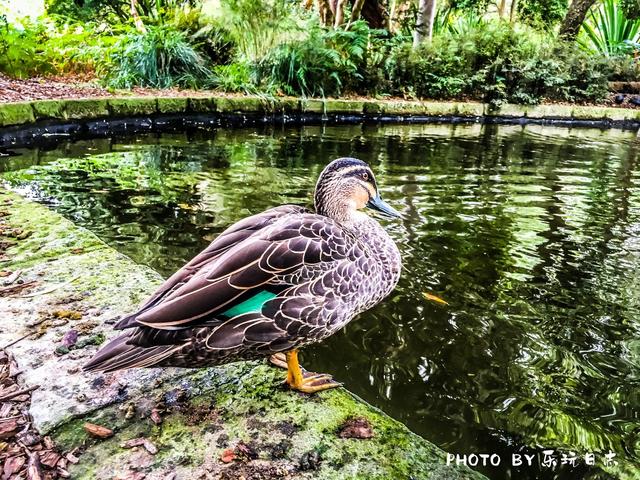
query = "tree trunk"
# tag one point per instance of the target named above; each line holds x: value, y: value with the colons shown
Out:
x: 325, y: 12
x: 573, y: 19
x: 355, y: 11
x: 339, y: 13
x: 374, y: 14
x: 424, y: 21
x: 137, y: 21
x: 514, y: 9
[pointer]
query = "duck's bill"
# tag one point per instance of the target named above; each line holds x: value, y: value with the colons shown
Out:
x: 376, y: 203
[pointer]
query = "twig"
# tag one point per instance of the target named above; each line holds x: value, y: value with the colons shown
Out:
x: 13, y: 277
x: 52, y: 289
x: 17, y: 340
x: 15, y: 288
x: 18, y: 393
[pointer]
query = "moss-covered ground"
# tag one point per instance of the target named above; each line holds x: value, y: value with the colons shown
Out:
x: 21, y: 113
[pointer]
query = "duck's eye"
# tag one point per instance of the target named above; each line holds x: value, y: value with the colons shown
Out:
x: 365, y: 177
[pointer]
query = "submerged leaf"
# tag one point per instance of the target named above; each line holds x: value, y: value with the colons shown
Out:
x: 434, y: 298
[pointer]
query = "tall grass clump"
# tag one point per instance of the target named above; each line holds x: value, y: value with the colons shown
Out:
x: 256, y: 27
x: 160, y: 57
x: 326, y: 62
x: 608, y: 31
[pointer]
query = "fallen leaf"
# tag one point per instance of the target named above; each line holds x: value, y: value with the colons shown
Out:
x: 77, y: 251
x: 70, y: 338
x: 246, y: 450
x: 98, y: 430
x: 8, y: 428
x: 70, y: 314
x: 434, y: 298
x: 12, y: 465
x: 150, y: 447
x: 228, y: 456
x: 134, y: 442
x: 63, y: 473
x: 156, y: 417
x: 28, y: 438
x: 356, y: 428
x: 4, y: 273
x: 49, y: 458
x: 34, y: 470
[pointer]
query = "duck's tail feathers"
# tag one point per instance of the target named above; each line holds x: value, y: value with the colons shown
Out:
x: 118, y: 355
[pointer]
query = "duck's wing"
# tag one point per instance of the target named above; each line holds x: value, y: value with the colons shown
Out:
x: 251, y: 272
x: 228, y: 309
x: 232, y: 236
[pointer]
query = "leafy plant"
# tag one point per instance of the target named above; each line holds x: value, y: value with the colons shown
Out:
x: 608, y: 31
x: 496, y: 62
x: 324, y: 63
x: 21, y: 48
x: 161, y: 57
x: 256, y: 27
x: 235, y: 77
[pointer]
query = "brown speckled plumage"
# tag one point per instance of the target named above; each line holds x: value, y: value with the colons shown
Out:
x: 316, y: 270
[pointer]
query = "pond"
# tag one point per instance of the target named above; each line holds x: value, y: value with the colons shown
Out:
x: 530, y: 234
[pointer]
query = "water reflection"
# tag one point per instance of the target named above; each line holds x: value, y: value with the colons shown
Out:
x: 531, y: 235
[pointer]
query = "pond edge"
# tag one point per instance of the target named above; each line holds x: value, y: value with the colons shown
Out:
x: 24, y: 124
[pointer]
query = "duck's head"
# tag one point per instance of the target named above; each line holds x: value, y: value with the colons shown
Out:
x: 345, y: 186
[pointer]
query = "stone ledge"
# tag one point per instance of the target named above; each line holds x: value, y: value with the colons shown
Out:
x: 25, y: 113
x: 240, y: 410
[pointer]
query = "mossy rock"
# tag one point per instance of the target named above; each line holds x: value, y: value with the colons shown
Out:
x: 284, y: 105
x: 604, y: 113
x: 440, y: 109
x: 345, y: 107
x: 202, y: 104
x: 16, y: 114
x: 504, y: 110
x: 549, y: 111
x: 312, y: 106
x: 86, y: 108
x: 403, y: 108
x: 44, y: 109
x: 241, y: 105
x: 469, y: 109
x: 133, y: 107
x: 372, y: 107
x: 300, y: 434
x: 173, y: 105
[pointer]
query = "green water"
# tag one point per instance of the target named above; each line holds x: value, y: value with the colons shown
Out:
x: 532, y: 236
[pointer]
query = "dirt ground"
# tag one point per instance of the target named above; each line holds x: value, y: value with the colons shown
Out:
x: 39, y: 88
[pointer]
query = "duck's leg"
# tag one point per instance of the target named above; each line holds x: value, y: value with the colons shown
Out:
x: 308, y: 382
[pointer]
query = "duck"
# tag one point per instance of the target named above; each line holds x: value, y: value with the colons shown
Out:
x: 269, y: 285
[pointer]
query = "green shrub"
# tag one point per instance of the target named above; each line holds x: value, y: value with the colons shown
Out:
x: 624, y: 69
x: 326, y: 62
x: 21, y: 52
x: 161, y: 57
x: 256, y: 27
x: 37, y: 48
x: 497, y: 62
x: 235, y: 77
